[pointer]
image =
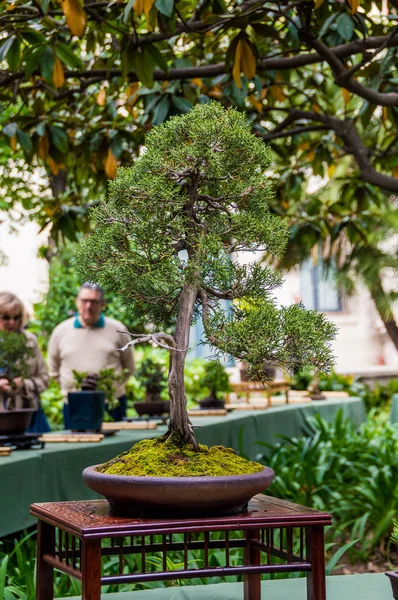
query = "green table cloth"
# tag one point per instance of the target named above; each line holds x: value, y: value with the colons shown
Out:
x: 372, y: 586
x: 54, y: 473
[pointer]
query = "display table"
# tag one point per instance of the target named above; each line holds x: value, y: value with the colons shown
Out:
x: 275, y: 536
x: 54, y: 473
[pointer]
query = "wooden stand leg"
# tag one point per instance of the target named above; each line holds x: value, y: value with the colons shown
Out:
x: 45, y: 572
x: 252, y: 582
x: 316, y: 579
x: 91, y: 569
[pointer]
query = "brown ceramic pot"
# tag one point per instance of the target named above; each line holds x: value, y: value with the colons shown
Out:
x: 16, y: 421
x: 177, y: 496
x: 393, y: 576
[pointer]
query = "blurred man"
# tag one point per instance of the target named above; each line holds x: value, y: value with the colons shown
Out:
x: 89, y: 342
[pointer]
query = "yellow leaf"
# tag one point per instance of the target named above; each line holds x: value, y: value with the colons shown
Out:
x: 197, y: 81
x: 315, y: 254
x: 395, y: 171
x: 304, y: 146
x: 385, y: 114
x: 318, y: 3
x: 139, y: 7
x: 147, y: 6
x: 331, y: 170
x: 310, y: 155
x: 258, y: 105
x: 13, y: 142
x: 236, y: 67
x: 354, y: 5
x: 110, y: 164
x: 316, y: 107
x: 58, y: 74
x: 131, y: 94
x: 54, y: 166
x: 248, y: 61
x: 75, y: 16
x: 101, y: 97
x: 346, y: 96
x: 264, y: 93
x: 216, y: 92
x: 277, y: 92
x: 44, y: 146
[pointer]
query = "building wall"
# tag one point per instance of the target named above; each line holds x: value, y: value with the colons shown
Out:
x: 24, y: 274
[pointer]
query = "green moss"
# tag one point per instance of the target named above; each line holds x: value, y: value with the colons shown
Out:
x: 172, y: 457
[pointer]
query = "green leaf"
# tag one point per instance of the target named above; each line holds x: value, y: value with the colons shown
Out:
x: 116, y: 146
x: 14, y: 55
x: 33, y: 37
x: 47, y: 65
x: 65, y: 54
x: 143, y: 67
x: 336, y: 557
x: 165, y: 7
x: 157, y: 57
x: 161, y: 111
x: 345, y: 26
x: 4, y: 48
x: 59, y: 138
x: 10, y: 130
x: 3, y: 575
x: 127, y: 11
x: 41, y: 128
x: 182, y: 104
x: 44, y: 5
x: 33, y: 61
x: 25, y: 141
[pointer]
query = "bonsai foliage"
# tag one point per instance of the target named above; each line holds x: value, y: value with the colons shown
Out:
x: 163, y: 241
x: 153, y: 374
x: 216, y: 379
x: 14, y: 353
x: 104, y: 381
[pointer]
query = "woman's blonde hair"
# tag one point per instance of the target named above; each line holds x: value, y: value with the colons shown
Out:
x: 11, y: 302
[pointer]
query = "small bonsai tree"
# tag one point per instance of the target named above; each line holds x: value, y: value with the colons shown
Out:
x: 104, y: 381
x: 154, y: 379
x: 163, y: 241
x: 14, y: 355
x: 216, y: 381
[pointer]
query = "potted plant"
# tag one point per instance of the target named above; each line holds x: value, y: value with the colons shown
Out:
x: 162, y: 242
x: 393, y: 575
x: 153, y: 376
x: 94, y: 390
x: 14, y: 356
x: 216, y: 381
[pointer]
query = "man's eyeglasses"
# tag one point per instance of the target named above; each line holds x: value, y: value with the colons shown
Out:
x: 10, y: 317
x: 86, y: 301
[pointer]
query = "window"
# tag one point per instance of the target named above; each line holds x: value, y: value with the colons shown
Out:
x: 318, y: 289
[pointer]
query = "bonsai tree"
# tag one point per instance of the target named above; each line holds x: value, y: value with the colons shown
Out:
x: 104, y: 381
x: 163, y: 240
x: 14, y: 354
x: 154, y: 379
x: 216, y: 381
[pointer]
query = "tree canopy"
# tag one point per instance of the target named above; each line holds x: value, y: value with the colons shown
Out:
x: 162, y: 242
x: 82, y: 82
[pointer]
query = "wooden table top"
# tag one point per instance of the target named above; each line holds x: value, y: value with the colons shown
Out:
x: 91, y: 518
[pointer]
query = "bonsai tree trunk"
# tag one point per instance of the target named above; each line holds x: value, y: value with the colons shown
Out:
x: 179, y: 420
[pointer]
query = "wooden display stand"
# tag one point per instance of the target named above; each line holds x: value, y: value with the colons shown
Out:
x: 247, y: 388
x: 274, y: 537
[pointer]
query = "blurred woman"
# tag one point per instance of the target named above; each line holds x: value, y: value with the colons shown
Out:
x: 26, y: 392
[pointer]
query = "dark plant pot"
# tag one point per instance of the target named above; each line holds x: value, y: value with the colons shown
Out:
x: 317, y: 396
x: 211, y: 402
x: 393, y: 576
x: 86, y: 410
x: 177, y: 496
x: 152, y: 409
x: 15, y: 421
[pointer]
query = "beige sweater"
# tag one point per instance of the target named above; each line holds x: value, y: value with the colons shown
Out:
x: 88, y: 349
x: 28, y: 395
